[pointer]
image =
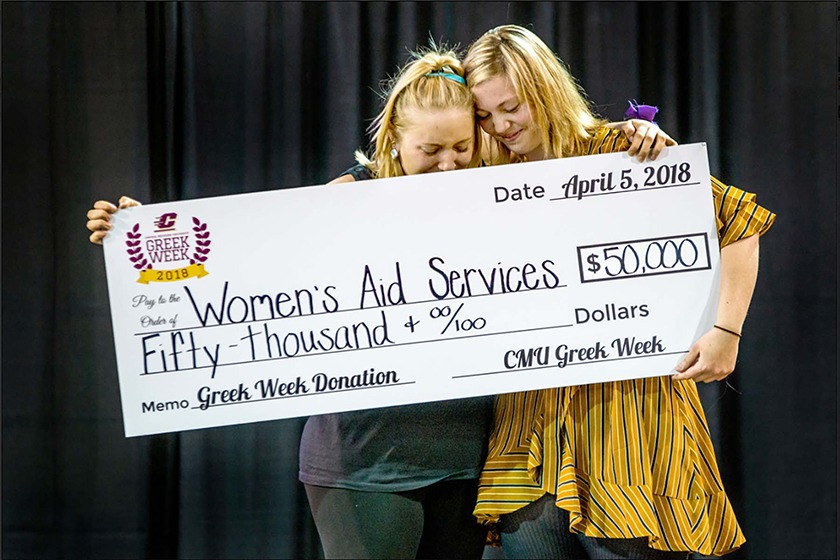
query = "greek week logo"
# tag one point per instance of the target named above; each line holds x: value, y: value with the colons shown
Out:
x: 168, y: 254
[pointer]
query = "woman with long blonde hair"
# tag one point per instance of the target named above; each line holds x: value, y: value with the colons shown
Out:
x: 623, y: 469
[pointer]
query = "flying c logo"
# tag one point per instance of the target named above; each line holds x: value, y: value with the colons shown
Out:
x: 166, y: 221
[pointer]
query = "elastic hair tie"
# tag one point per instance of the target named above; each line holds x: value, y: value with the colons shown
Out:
x: 448, y: 76
x: 727, y: 330
x: 644, y: 112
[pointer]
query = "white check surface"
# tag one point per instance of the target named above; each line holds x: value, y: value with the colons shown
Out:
x: 413, y: 289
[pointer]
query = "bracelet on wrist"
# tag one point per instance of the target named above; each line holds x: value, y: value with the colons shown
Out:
x: 729, y: 331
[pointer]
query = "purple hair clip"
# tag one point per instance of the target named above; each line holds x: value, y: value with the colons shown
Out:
x: 644, y: 112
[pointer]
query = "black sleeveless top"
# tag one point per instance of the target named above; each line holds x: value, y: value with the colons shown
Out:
x: 359, y: 172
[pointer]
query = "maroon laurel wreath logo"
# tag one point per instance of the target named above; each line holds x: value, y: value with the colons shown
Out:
x: 169, y: 249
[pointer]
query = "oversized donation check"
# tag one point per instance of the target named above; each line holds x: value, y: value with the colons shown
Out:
x: 330, y: 298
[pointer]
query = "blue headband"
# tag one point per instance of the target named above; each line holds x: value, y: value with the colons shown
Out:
x: 448, y: 76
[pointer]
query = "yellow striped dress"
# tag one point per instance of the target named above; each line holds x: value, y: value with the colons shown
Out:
x: 629, y: 458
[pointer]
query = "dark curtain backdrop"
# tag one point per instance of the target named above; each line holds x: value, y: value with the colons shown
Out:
x: 165, y: 100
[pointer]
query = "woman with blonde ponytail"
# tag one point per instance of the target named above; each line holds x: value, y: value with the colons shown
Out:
x: 401, y: 482
x: 410, y: 135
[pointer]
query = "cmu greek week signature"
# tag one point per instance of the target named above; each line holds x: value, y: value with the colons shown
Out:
x: 563, y: 355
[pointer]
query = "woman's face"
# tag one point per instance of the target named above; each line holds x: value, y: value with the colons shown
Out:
x: 436, y: 140
x: 506, y: 118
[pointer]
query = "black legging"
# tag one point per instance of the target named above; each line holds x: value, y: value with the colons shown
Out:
x: 432, y: 522
x: 541, y: 530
